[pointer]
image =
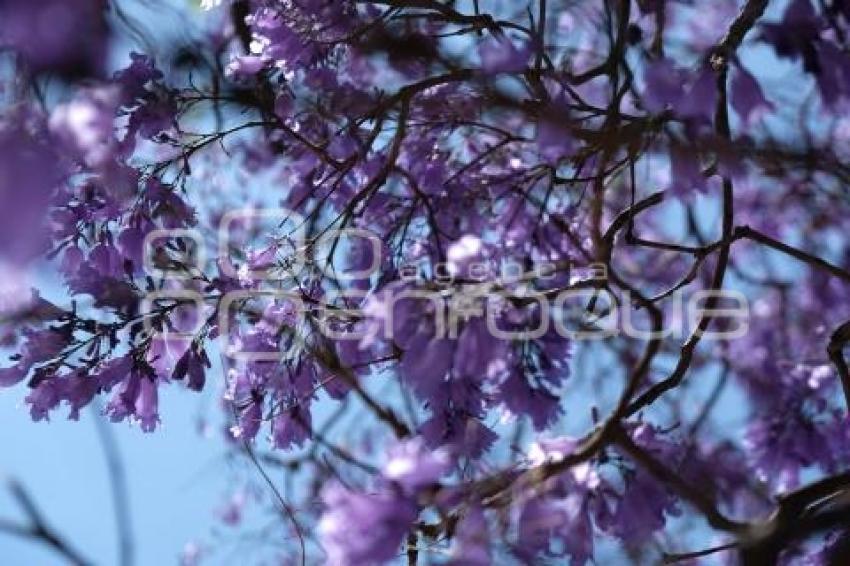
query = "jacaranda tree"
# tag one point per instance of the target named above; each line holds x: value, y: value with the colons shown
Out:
x: 480, y: 281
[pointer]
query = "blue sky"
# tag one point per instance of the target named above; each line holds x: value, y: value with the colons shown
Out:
x: 175, y: 481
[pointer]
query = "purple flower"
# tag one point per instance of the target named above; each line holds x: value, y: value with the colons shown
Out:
x: 165, y: 352
x: 107, y: 291
x: 465, y: 251
x: 136, y: 79
x: 833, y: 77
x: 363, y: 528
x: 45, y: 397
x: 542, y: 522
x: 123, y: 401
x: 153, y: 116
x: 645, y: 503
x: 79, y: 390
x: 795, y: 34
x: 137, y: 396
x: 663, y: 85
x: 426, y: 364
x: 29, y: 176
x: 85, y: 125
x: 686, y: 170
x: 55, y: 35
x: 147, y: 403
x: 520, y: 397
x: 471, y: 546
x: 502, y: 55
x: 747, y: 97
x: 413, y: 466
x: 554, y: 139
x: 691, y: 96
x: 131, y: 243
x: 193, y: 364
x: 476, y: 350
x: 39, y: 346
x: 283, y: 106
x: 641, y: 510
x: 799, y: 35
x: 277, y: 42
x: 545, y: 450
x: 700, y: 98
x: 192, y: 554
x: 250, y: 419
x: 43, y: 345
x: 463, y: 433
x: 245, y: 67
x: 291, y: 427
x: 233, y: 511
x: 782, y: 446
x: 12, y: 375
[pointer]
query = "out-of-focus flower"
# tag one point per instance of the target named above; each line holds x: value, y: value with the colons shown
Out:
x: 664, y: 85
x: 29, y: 176
x: 541, y: 522
x: 70, y: 38
x: 39, y: 346
x: 412, y: 465
x: 463, y: 252
x: 232, y: 512
x: 363, y: 528
x: 192, y: 554
x: 86, y: 125
x: 471, y: 546
x: 291, y: 427
x: 502, y: 55
x: 14, y: 290
x: 747, y: 97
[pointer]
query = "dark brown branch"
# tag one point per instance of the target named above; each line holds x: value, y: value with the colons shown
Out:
x: 681, y: 557
x: 742, y: 24
x: 835, y: 351
x: 39, y: 529
x: 796, y: 253
x: 797, y: 517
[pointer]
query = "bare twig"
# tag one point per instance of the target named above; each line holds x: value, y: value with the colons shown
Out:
x: 38, y: 529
